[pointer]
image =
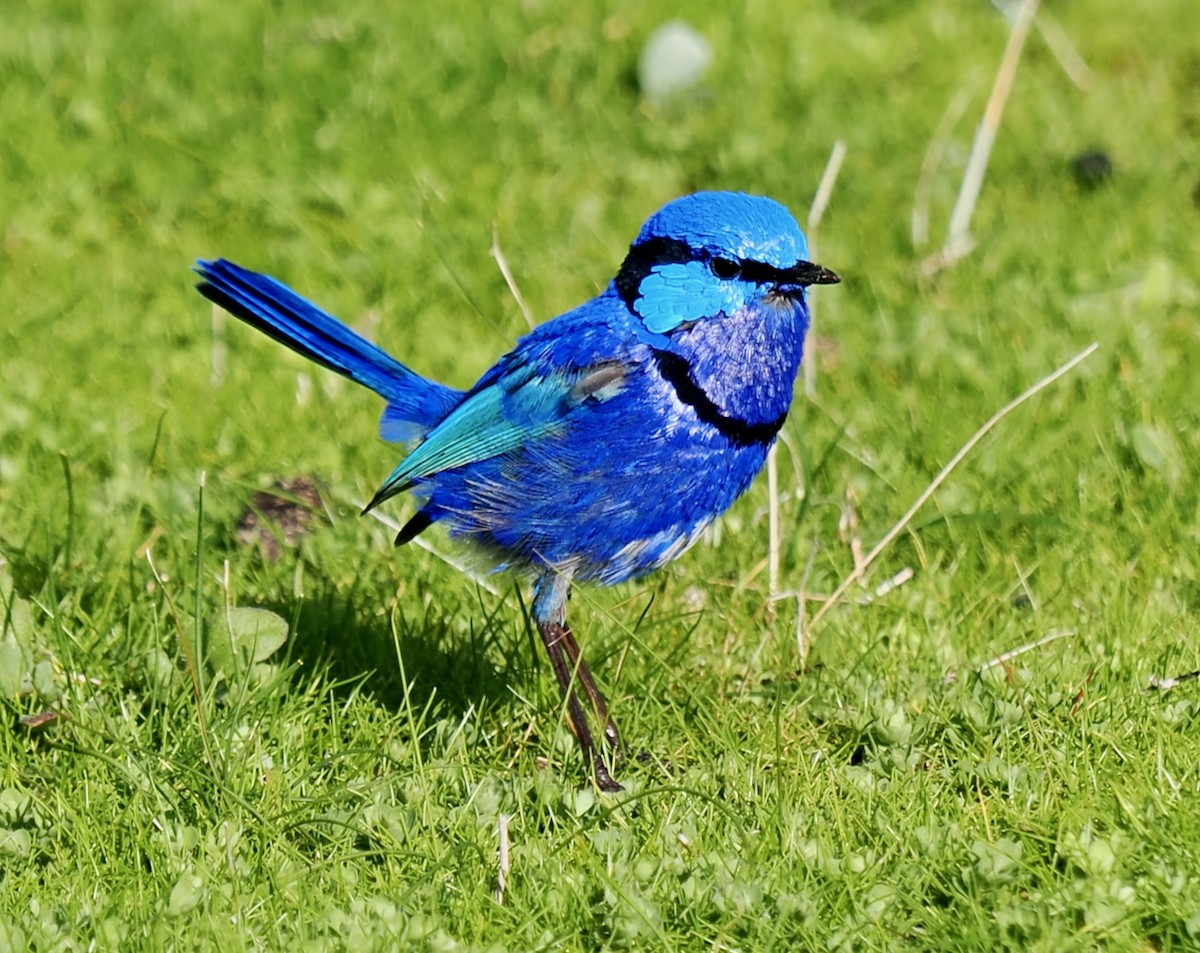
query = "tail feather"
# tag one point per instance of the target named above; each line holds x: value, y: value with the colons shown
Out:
x: 414, y: 402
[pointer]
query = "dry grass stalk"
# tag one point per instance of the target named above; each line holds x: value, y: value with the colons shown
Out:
x: 945, y: 472
x: 958, y: 240
x: 815, y: 213
x: 502, y: 264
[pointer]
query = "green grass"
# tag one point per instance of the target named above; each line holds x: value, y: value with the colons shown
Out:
x: 345, y: 794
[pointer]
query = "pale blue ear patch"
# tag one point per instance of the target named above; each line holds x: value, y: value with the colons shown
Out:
x: 676, y: 293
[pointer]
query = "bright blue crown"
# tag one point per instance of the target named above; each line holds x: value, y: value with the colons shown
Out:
x: 731, y: 224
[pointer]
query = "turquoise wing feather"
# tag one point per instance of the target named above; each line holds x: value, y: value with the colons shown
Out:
x: 504, y: 413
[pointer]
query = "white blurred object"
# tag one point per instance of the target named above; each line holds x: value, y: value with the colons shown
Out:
x: 674, y: 59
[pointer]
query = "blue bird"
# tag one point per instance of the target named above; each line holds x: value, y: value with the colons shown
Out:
x: 601, y: 446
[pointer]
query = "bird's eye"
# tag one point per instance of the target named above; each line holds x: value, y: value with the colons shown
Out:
x: 724, y: 269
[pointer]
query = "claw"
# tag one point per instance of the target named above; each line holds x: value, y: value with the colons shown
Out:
x: 604, y: 780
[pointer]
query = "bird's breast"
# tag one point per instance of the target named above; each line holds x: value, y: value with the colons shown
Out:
x: 736, y: 373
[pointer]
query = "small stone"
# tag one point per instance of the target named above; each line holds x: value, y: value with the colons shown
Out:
x: 673, y: 60
x: 1092, y: 168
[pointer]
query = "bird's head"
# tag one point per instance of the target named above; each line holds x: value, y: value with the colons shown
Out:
x: 715, y: 253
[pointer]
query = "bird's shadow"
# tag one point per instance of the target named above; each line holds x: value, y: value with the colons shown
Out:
x: 450, y: 653
x: 412, y: 656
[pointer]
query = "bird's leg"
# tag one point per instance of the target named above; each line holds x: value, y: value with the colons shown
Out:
x: 549, y: 612
x: 588, y: 684
x: 554, y: 635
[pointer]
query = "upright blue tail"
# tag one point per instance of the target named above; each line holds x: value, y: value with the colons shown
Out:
x: 414, y: 403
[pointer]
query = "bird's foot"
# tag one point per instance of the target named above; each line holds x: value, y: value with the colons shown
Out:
x: 604, y: 780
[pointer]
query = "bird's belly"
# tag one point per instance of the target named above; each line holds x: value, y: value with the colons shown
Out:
x: 606, y: 504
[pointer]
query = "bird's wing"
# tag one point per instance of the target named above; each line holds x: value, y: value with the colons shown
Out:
x: 507, y: 410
